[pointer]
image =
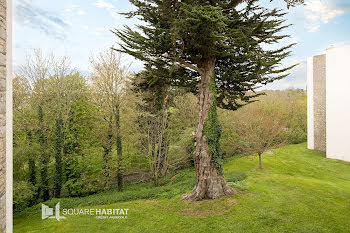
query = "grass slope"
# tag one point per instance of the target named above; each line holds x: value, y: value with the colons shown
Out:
x: 298, y: 191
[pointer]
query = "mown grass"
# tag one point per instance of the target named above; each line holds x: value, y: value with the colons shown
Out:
x: 298, y: 191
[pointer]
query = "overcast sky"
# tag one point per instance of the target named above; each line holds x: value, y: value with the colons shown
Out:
x: 79, y: 28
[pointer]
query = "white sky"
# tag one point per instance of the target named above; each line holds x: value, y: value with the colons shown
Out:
x: 79, y: 28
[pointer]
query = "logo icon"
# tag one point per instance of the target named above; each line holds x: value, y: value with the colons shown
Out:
x: 47, y: 212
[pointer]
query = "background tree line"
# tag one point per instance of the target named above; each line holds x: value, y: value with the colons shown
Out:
x: 75, y: 135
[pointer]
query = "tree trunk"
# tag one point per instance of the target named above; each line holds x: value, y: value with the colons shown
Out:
x: 210, y: 184
x: 107, y: 156
x: 260, y: 164
x: 44, y: 186
x: 58, y: 159
x: 119, y: 150
x: 32, y: 170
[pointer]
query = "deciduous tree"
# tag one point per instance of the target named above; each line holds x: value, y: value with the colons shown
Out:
x: 153, y: 121
x: 261, y: 130
x: 108, y: 82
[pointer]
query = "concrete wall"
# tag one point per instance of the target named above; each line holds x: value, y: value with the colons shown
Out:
x: 338, y: 103
x: 5, y: 116
x: 328, y: 82
x: 316, y: 90
x: 3, y: 36
x: 319, y: 87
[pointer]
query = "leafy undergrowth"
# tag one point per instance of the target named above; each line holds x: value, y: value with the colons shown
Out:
x: 298, y: 191
x: 175, y: 185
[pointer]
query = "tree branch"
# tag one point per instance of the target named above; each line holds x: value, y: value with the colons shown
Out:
x: 193, y: 67
x: 237, y: 3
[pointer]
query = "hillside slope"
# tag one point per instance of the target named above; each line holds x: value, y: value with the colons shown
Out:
x: 298, y: 191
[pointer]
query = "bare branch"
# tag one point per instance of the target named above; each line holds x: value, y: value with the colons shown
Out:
x: 188, y: 65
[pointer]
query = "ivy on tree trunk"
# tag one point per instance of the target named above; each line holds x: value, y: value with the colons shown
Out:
x: 58, y: 158
x: 119, y: 149
x: 210, y: 183
x: 44, y: 158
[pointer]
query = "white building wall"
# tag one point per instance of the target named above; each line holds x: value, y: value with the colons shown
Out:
x: 338, y: 102
x: 310, y: 104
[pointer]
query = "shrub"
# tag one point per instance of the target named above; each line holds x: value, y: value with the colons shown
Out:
x: 296, y: 136
x: 23, y: 193
x: 235, y: 176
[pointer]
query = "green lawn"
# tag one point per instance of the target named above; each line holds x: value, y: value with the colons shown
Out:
x: 298, y: 191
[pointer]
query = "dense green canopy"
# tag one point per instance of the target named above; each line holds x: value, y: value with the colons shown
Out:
x: 178, y: 36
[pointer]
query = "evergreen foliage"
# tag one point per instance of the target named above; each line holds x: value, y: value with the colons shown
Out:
x: 191, y: 41
x: 181, y: 36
